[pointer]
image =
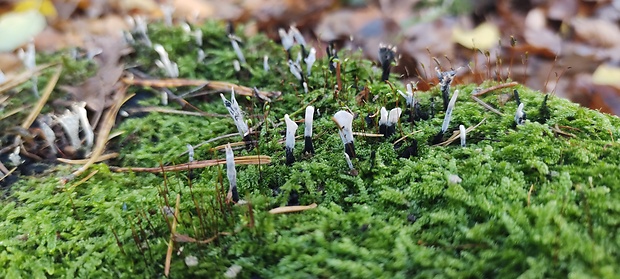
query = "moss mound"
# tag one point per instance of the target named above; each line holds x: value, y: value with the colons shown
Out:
x: 535, y: 200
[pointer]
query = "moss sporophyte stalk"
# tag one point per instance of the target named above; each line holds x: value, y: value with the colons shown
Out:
x: 538, y: 199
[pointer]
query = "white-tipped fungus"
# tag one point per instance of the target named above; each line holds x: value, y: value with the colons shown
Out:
x: 309, y: 118
x: 234, y: 41
x: 448, y: 117
x: 295, y: 69
x: 291, y: 129
x: 87, y: 129
x: 286, y: 38
x: 164, y: 63
x: 235, y: 112
x: 463, y: 134
x: 310, y: 60
x: 231, y: 173
x: 344, y: 120
x: 266, y: 63
x: 520, y: 115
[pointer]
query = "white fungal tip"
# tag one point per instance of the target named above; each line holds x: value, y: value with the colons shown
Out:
x: 448, y: 117
x: 291, y: 128
x: 394, y: 116
x: 294, y: 68
x: 310, y: 60
x: 383, y: 119
x: 297, y: 35
x: 344, y: 120
x: 266, y: 63
x: 463, y: 135
x: 308, y: 121
x: 286, y: 38
x: 520, y: 115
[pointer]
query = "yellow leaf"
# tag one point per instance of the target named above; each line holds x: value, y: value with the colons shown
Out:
x: 483, y: 37
x: 17, y: 28
x: 45, y: 7
x: 606, y: 75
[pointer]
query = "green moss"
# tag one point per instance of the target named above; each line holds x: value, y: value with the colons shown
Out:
x: 531, y: 203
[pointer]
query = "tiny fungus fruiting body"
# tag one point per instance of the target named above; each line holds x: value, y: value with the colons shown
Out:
x: 291, y: 128
x: 393, y: 118
x: 344, y: 120
x: 332, y: 54
x: 448, y: 117
x: 445, y: 79
x: 234, y: 41
x: 237, y: 115
x: 309, y: 118
x: 164, y: 63
x: 266, y: 63
x: 310, y: 61
x: 383, y: 120
x: 190, y: 152
x: 387, y: 53
x: 231, y: 173
x: 520, y: 115
x: 295, y: 70
x: 462, y: 134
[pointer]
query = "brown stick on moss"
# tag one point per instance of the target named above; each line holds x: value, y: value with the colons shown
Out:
x: 245, y: 160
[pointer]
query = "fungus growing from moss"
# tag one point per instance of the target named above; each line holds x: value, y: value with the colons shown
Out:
x: 237, y: 115
x: 231, y: 173
x: 344, y: 120
x: 310, y: 60
x: 170, y: 68
x: 445, y: 79
x: 308, y: 146
x: 463, y: 135
x: 387, y: 53
x: 291, y: 128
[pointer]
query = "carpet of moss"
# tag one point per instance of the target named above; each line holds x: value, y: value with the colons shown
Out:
x: 532, y: 203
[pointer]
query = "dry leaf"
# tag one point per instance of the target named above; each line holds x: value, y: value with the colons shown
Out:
x: 597, y: 32
x: 607, y: 75
x: 97, y: 90
x: 485, y: 36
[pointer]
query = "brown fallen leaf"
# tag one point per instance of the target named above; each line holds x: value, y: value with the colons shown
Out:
x: 97, y: 91
x: 597, y: 32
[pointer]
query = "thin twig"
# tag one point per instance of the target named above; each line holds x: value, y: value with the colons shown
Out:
x: 485, y: 105
x: 46, y: 94
x: 21, y: 78
x: 457, y: 134
x: 243, y: 160
x: 84, y: 161
x: 291, y: 209
x: 174, y: 111
x: 492, y: 88
x: 172, y: 233
x: 5, y: 171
